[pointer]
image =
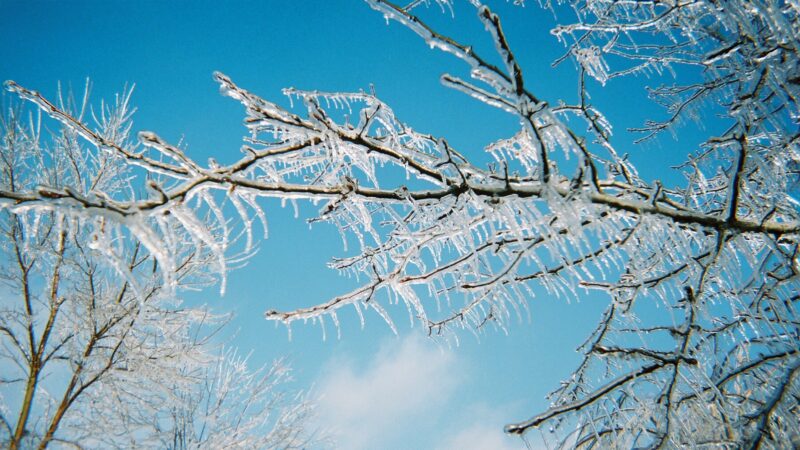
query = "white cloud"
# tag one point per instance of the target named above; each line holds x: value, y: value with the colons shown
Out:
x: 481, y: 437
x: 405, y: 387
x: 483, y: 431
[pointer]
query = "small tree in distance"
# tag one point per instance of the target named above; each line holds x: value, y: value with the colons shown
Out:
x: 466, y: 247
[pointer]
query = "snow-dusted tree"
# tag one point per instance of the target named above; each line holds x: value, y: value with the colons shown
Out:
x: 96, y: 349
x: 699, y: 346
x: 234, y: 407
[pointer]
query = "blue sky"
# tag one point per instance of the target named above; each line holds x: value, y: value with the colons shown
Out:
x: 377, y: 389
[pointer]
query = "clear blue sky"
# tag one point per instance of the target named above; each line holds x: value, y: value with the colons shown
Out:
x: 383, y: 391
